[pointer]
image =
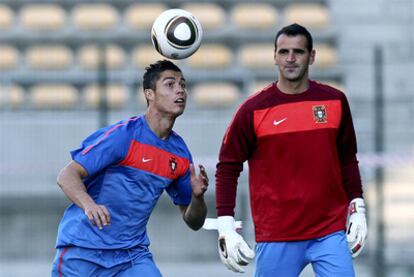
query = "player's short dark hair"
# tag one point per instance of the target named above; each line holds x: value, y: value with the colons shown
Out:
x: 153, y: 72
x: 295, y: 30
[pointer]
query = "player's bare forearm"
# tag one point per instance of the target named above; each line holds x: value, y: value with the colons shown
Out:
x: 195, y: 214
x: 70, y: 180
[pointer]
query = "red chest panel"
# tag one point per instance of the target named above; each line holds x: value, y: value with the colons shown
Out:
x: 298, y: 116
x: 155, y: 160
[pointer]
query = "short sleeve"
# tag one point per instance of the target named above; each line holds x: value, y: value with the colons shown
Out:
x: 180, y: 190
x: 105, y: 147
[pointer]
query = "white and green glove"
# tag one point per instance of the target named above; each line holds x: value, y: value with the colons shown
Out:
x: 356, y: 233
x: 233, y: 250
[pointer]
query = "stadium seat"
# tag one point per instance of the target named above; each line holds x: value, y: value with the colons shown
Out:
x: 215, y: 95
x: 310, y: 15
x: 117, y: 95
x: 211, y: 56
x: 11, y: 96
x: 95, y: 17
x: 254, y: 16
x: 49, y: 57
x: 210, y: 15
x: 141, y: 16
x: 6, y: 17
x: 52, y: 96
x: 256, y: 56
x: 44, y: 17
x: 143, y: 55
x: 325, y: 55
x: 89, y: 56
x: 9, y: 57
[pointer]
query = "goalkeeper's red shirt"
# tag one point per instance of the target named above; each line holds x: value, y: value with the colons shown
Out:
x: 303, y: 171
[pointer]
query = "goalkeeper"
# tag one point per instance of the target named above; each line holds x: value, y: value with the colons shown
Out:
x: 299, y: 140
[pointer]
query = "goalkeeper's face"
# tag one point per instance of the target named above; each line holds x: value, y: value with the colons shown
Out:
x: 293, y: 57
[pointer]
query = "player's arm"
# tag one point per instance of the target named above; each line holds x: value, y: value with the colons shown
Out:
x: 70, y: 181
x: 195, y: 213
x: 351, y: 179
x: 347, y: 150
x: 234, y: 252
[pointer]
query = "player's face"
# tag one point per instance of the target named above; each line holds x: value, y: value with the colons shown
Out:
x: 292, y: 57
x: 170, y: 95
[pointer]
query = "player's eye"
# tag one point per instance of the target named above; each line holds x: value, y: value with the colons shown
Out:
x: 283, y: 52
x: 299, y: 51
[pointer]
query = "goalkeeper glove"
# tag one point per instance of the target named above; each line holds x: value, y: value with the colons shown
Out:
x: 233, y: 250
x: 356, y: 233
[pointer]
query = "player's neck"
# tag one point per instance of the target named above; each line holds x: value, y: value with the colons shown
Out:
x: 160, y: 125
x: 292, y: 87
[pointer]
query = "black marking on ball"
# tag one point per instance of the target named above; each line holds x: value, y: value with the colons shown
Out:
x: 155, y: 42
x: 170, y: 29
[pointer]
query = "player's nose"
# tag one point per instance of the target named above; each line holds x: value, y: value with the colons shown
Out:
x: 180, y: 90
x: 291, y: 57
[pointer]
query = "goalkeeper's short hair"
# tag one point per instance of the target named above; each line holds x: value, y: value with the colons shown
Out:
x: 295, y: 30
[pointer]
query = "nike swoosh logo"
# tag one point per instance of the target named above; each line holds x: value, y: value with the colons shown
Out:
x: 277, y: 122
x: 146, y: 160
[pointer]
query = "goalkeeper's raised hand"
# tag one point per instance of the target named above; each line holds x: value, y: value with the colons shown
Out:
x: 234, y: 252
x: 356, y: 233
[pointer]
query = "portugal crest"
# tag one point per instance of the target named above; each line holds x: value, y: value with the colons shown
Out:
x: 173, y: 165
x: 319, y: 114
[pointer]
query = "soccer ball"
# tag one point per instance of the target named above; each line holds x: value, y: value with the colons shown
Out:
x: 176, y: 34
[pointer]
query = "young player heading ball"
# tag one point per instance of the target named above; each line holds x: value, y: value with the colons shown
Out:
x: 116, y: 178
x: 298, y: 138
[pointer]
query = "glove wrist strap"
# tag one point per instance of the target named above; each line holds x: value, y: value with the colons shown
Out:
x: 225, y: 224
x: 357, y: 205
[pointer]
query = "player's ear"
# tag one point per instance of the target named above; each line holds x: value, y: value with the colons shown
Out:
x: 149, y: 94
x: 312, y: 57
x: 274, y: 56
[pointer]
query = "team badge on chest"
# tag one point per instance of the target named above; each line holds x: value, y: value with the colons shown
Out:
x: 319, y: 114
x: 173, y: 165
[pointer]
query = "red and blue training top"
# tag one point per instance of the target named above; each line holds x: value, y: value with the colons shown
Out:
x: 303, y: 171
x: 128, y: 168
